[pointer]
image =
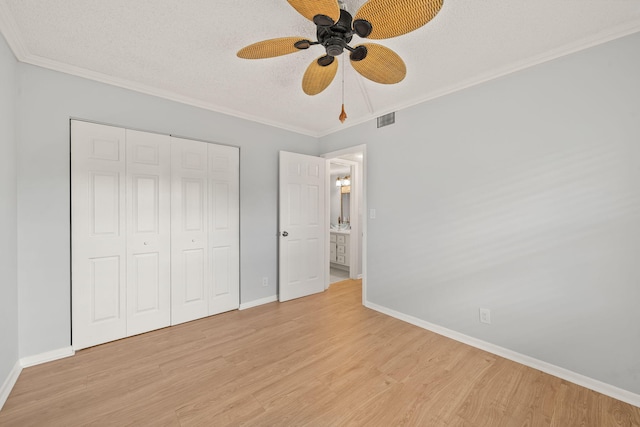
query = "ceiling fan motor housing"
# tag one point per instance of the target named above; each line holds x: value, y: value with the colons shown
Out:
x: 334, y: 46
x: 335, y: 38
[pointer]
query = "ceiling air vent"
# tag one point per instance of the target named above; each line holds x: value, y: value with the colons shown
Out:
x: 386, y: 120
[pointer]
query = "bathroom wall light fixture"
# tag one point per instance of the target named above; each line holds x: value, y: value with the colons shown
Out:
x: 344, y: 181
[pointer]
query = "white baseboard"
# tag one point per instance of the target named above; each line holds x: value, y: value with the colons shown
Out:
x: 565, y: 374
x: 9, y: 382
x: 49, y: 356
x: 258, y: 302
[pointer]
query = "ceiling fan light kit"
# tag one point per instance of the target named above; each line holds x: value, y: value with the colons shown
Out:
x: 376, y: 19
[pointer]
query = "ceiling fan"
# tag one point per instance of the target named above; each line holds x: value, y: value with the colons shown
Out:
x: 376, y: 19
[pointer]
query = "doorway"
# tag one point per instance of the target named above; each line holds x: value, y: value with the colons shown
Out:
x: 312, y: 198
x: 343, y: 264
x: 349, y: 224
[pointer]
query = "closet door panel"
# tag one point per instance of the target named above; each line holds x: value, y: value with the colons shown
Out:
x: 194, y: 263
x: 189, y: 212
x: 98, y: 234
x: 148, y: 232
x: 104, y: 288
x: 224, y: 228
x: 145, y: 290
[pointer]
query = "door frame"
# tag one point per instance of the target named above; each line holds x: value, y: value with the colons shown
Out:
x: 361, y: 186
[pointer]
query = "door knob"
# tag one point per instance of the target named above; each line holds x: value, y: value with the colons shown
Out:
x: 285, y: 234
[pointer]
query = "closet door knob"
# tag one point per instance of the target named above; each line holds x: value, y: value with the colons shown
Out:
x: 285, y: 234
x: 146, y: 243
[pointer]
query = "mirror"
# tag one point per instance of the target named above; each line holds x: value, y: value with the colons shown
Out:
x: 345, y: 207
x: 340, y: 196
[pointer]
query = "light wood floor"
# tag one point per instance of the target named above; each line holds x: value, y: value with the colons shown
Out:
x: 323, y: 360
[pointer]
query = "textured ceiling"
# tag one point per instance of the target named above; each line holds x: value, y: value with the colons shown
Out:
x: 186, y: 51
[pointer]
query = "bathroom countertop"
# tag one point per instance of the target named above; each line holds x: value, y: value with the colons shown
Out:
x: 341, y: 231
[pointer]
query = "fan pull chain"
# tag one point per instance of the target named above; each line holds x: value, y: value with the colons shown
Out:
x: 343, y: 114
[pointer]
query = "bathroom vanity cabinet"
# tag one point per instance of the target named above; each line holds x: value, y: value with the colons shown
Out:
x: 339, y: 253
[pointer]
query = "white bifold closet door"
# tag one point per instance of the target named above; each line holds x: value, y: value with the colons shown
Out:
x: 120, y: 233
x: 148, y: 232
x: 224, y: 226
x: 189, y: 249
x: 155, y: 231
x: 98, y: 242
x: 205, y: 225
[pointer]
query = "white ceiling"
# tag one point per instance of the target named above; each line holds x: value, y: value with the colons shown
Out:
x: 186, y: 50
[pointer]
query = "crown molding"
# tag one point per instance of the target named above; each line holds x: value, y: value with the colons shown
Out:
x: 153, y: 91
x: 12, y: 34
x: 568, y: 49
x: 9, y: 29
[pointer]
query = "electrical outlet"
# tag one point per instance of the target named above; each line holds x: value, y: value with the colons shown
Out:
x: 372, y: 213
x: 485, y: 315
x: 265, y: 281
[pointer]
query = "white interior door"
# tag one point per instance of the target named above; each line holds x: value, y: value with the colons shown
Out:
x: 189, y: 223
x: 224, y: 228
x: 98, y: 236
x: 148, y: 232
x: 302, y: 225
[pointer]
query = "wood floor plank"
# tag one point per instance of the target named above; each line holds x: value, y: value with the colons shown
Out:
x: 323, y: 360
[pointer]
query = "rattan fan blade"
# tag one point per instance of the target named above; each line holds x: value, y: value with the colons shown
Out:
x: 317, y: 78
x: 270, y: 48
x: 381, y: 65
x: 391, y: 18
x: 311, y: 8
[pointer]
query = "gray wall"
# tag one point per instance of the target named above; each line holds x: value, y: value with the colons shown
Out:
x: 8, y: 212
x: 521, y: 195
x: 47, y: 100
